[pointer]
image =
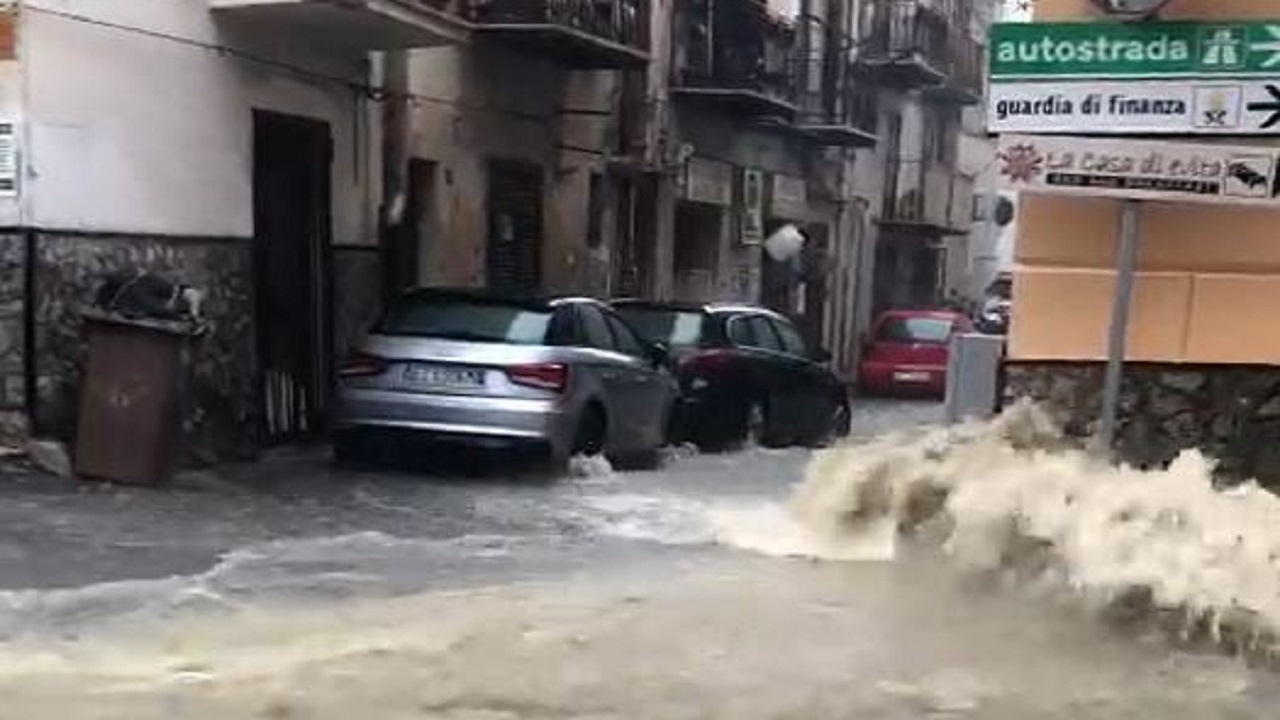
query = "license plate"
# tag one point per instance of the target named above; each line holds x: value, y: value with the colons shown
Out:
x: 435, y: 376
x: 912, y: 377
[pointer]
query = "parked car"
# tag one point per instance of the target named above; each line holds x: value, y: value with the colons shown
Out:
x: 906, y: 352
x: 745, y: 373
x: 565, y: 375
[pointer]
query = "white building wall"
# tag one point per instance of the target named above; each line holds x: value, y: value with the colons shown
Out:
x: 129, y: 133
x: 11, y: 111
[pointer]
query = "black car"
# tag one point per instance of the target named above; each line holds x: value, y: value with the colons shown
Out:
x: 745, y: 373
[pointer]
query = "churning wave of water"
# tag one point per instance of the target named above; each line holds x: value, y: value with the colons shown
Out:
x: 1011, y: 499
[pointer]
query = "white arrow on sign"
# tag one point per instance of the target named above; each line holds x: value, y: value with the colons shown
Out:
x: 1173, y: 107
x: 1270, y: 46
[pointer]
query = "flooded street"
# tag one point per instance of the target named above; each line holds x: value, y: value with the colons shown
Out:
x: 724, y: 586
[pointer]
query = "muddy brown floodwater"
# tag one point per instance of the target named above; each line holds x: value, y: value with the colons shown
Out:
x: 816, y: 608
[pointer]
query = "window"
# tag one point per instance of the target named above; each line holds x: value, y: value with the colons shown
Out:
x: 595, y: 329
x: 675, y: 328
x: 754, y: 331
x: 940, y: 136
x: 741, y: 332
x: 766, y: 337
x: 563, y: 331
x: 624, y: 338
x: 935, y: 331
x: 462, y: 317
x: 595, y: 210
x: 792, y: 342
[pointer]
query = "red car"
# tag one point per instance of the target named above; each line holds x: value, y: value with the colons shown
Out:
x: 906, y: 352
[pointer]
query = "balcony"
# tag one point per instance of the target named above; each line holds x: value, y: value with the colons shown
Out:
x: 735, y: 54
x: 837, y: 109
x: 906, y: 43
x: 927, y: 198
x: 966, y: 65
x: 580, y: 34
x: 351, y: 25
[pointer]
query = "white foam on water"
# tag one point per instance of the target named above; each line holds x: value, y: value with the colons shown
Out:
x: 595, y: 466
x: 1010, y: 497
x: 662, y: 518
x: 770, y: 529
x: 322, y: 567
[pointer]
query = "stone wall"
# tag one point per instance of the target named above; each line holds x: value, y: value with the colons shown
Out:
x: 13, y: 253
x: 220, y: 413
x: 1231, y: 413
x: 357, y: 295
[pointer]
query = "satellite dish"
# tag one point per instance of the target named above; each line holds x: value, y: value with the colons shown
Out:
x: 785, y: 244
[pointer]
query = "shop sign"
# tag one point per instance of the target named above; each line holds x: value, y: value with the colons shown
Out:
x: 708, y: 181
x: 1139, y: 169
x: 9, y: 165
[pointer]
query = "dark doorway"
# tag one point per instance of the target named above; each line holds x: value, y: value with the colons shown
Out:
x: 697, y: 250
x: 514, y: 258
x: 637, y: 233
x: 815, y: 262
x: 906, y: 273
x: 778, y: 279
x: 292, y: 271
x: 403, y: 247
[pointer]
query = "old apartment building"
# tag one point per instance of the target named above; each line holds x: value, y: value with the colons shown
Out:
x: 300, y: 159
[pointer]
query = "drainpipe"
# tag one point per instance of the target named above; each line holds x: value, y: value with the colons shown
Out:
x: 394, y: 85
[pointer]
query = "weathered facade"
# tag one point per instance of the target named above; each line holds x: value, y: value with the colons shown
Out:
x: 299, y: 160
x: 928, y: 54
x: 189, y: 140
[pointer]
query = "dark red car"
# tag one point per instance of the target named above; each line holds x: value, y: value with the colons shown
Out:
x: 906, y: 352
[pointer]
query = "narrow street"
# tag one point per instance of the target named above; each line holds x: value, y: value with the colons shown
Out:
x: 412, y: 530
x: 294, y: 590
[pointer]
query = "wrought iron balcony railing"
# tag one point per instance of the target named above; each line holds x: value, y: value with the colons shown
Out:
x: 837, y: 107
x: 618, y: 21
x: 910, y: 37
x: 965, y: 66
x: 737, y: 49
x: 929, y: 195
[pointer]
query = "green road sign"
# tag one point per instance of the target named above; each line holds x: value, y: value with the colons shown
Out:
x: 1134, y: 50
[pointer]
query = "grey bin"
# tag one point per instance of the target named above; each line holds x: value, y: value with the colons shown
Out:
x: 973, y: 376
x: 130, y: 399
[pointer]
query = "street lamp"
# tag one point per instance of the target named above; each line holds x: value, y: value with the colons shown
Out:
x: 1138, y: 8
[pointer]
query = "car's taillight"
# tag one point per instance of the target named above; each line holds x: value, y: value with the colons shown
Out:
x: 362, y: 365
x: 706, y: 361
x: 546, y: 376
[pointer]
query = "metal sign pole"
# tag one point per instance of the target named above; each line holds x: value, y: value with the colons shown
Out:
x: 1127, y: 260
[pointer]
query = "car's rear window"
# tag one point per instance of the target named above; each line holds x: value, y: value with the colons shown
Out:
x: 473, y: 319
x: 916, y: 330
x: 676, y: 328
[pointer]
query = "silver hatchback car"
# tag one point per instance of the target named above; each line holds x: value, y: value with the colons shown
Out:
x: 567, y: 375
